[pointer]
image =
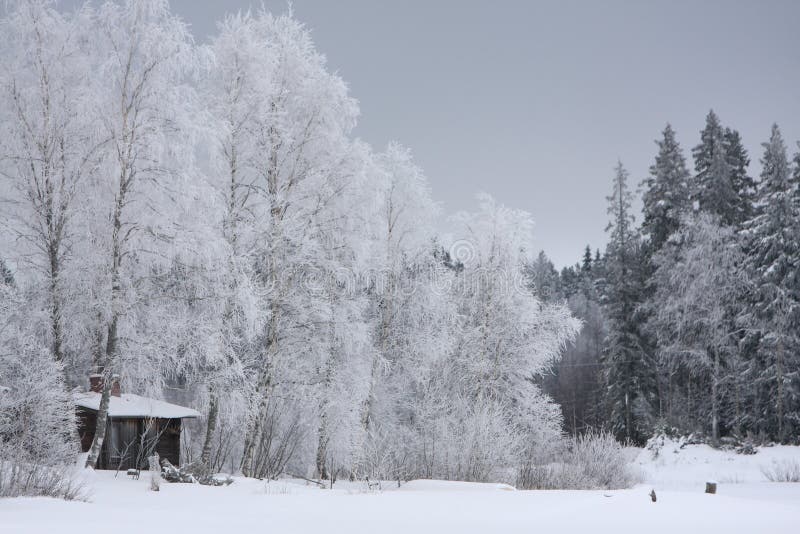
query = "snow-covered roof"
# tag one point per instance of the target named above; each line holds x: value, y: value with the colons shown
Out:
x: 128, y: 405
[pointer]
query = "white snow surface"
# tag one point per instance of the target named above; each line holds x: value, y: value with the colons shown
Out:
x: 745, y: 503
x: 129, y: 405
x: 688, y: 467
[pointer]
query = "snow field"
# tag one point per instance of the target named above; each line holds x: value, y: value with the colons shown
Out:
x: 744, y: 503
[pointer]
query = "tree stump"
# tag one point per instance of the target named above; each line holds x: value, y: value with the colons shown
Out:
x: 653, y: 495
x: 711, y: 487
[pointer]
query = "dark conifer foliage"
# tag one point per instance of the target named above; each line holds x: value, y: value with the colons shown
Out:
x: 772, y: 241
x: 698, y: 308
x: 628, y: 370
x: 713, y: 190
x: 586, y: 262
x: 575, y: 381
x: 6, y: 276
x: 666, y: 194
x: 744, y: 185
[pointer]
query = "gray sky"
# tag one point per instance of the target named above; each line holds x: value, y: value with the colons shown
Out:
x: 534, y: 102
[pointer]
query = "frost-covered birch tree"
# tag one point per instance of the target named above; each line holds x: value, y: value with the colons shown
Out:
x: 46, y: 153
x: 506, y: 337
x: 700, y: 279
x: 204, y: 217
x: 139, y: 96
x: 408, y: 315
x: 238, y: 82
x: 301, y: 141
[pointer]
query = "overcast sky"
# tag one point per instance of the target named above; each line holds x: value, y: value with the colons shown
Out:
x: 534, y: 102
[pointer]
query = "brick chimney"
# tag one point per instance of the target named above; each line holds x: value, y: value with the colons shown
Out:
x: 96, y: 384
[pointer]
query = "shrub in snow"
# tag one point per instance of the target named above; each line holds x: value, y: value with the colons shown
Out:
x: 783, y: 471
x: 553, y: 476
x: 747, y: 448
x: 18, y: 479
x: 603, y: 460
x: 593, y: 461
x: 37, y: 428
x: 282, y: 432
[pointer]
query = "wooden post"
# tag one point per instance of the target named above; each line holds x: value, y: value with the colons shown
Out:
x: 711, y: 487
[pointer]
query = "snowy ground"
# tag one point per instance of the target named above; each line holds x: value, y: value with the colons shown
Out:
x: 744, y: 503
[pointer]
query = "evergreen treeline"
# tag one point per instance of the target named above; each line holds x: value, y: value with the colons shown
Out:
x: 691, y: 318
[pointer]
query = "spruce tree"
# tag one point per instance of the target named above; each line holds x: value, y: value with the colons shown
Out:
x: 628, y: 371
x: 796, y: 172
x: 703, y: 153
x: 666, y: 195
x: 742, y: 183
x: 543, y: 278
x: 598, y: 260
x: 666, y: 201
x: 570, y: 281
x: 586, y: 262
x: 721, y: 186
x: 773, y: 246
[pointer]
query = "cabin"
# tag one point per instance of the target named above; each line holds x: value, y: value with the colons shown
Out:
x: 137, y: 427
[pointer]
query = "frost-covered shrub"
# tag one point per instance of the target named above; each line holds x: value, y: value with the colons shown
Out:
x: 487, y: 442
x: 592, y: 461
x: 477, y: 442
x: 553, y: 476
x: 603, y: 460
x: 37, y: 427
x: 19, y: 479
x: 282, y: 433
x: 783, y: 471
x: 381, y: 458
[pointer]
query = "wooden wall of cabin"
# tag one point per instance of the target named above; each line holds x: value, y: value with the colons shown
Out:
x: 87, y: 422
x: 169, y: 445
x: 122, y: 444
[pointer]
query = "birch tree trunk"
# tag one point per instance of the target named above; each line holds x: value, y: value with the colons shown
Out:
x: 211, y: 425
x: 779, y: 379
x: 715, y: 400
x: 253, y: 434
x: 386, y: 317
x: 264, y: 387
x: 49, y: 149
x: 117, y: 238
x: 101, y: 424
x: 323, y: 432
x: 322, y: 443
x: 111, y: 337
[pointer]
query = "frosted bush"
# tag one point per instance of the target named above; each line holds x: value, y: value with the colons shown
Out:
x: 37, y: 446
x: 553, y: 476
x: 592, y: 461
x: 783, y: 471
x: 603, y: 460
x: 19, y: 479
